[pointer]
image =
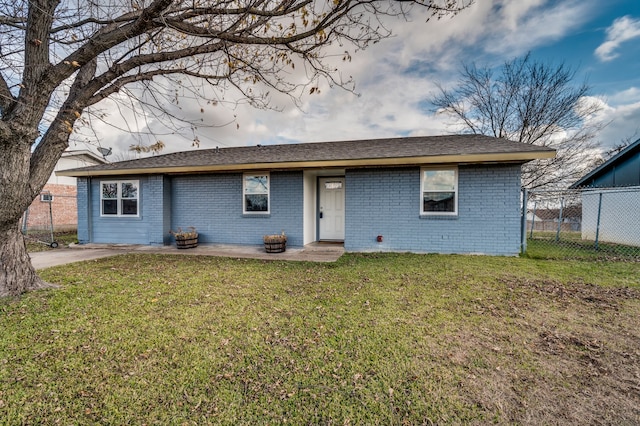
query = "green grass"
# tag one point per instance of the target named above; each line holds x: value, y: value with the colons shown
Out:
x: 571, y: 246
x: 371, y: 339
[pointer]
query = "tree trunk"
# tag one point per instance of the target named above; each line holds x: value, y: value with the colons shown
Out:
x: 17, y: 275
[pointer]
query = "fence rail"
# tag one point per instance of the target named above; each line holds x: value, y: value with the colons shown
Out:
x: 591, y: 223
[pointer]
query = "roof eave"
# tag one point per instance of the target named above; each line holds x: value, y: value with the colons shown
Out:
x: 83, y: 153
x: 507, y: 157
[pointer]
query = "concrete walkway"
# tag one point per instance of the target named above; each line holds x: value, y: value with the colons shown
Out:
x: 315, y: 252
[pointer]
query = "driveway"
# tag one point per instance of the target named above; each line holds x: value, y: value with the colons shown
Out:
x: 316, y: 252
x: 62, y: 256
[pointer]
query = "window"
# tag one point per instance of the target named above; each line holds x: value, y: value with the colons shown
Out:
x: 439, y: 191
x: 119, y: 198
x: 46, y: 197
x: 255, y: 190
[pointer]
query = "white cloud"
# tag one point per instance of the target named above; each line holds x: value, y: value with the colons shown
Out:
x: 521, y: 26
x: 622, y: 30
x: 627, y: 96
x: 622, y: 122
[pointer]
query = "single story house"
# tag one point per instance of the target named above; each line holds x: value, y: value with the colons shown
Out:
x: 611, y: 199
x: 443, y: 194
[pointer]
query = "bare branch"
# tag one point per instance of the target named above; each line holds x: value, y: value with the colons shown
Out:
x: 118, y: 84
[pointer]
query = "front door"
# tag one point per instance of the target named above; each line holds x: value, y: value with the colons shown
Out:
x: 331, y: 208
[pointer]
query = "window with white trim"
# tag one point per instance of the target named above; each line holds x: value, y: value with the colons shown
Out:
x: 46, y: 197
x: 119, y: 198
x: 439, y: 191
x: 255, y: 193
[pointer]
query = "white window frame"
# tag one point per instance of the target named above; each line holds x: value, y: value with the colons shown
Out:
x: 244, y: 193
x: 119, y: 198
x: 46, y: 197
x: 422, y: 191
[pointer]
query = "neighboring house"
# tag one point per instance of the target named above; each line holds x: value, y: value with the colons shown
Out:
x: 611, y: 199
x: 444, y: 194
x: 60, y: 193
x: 547, y: 219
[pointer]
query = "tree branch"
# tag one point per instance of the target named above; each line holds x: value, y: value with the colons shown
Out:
x: 118, y: 84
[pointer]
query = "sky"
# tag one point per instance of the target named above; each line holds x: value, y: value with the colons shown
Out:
x: 396, y: 77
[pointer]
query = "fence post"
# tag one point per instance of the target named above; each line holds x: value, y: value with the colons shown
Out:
x: 51, y: 221
x: 559, y: 219
x: 25, y: 221
x: 523, y: 222
x: 533, y: 218
x: 598, y: 221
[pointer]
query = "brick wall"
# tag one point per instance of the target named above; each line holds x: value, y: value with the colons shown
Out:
x: 63, y: 208
x: 387, y: 202
x: 213, y: 204
x: 210, y: 203
x: 380, y: 201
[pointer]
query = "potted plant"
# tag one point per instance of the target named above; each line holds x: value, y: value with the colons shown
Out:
x: 275, y: 243
x: 185, y: 239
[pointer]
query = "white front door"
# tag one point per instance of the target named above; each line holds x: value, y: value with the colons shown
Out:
x: 331, y: 208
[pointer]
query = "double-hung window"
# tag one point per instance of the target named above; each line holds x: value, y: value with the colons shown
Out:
x: 255, y: 190
x: 439, y: 191
x: 119, y: 198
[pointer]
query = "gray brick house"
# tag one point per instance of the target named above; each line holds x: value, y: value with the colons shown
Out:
x: 442, y: 194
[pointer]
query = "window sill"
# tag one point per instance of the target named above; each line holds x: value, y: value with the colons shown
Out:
x: 439, y: 216
x: 120, y: 216
x: 256, y: 215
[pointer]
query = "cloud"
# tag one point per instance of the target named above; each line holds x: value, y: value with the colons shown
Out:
x: 514, y: 28
x: 627, y: 96
x: 621, y: 119
x: 622, y: 30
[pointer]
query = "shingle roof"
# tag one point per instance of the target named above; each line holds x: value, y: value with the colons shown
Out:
x: 409, y: 150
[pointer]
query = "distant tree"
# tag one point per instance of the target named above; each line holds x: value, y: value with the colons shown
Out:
x: 620, y: 146
x: 531, y: 102
x: 59, y: 59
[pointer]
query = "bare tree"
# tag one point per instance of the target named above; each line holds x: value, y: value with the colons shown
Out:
x: 619, y: 147
x: 531, y: 102
x: 59, y: 59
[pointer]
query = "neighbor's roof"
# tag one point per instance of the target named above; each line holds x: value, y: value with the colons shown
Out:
x: 359, y: 153
x: 609, y: 164
x: 573, y: 211
x: 83, y: 154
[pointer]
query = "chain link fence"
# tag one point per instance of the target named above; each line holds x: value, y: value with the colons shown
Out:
x: 587, y: 223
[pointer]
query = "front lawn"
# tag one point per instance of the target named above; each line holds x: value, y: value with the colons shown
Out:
x: 372, y: 339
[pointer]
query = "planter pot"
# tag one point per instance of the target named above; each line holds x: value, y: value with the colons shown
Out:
x: 185, y: 243
x: 275, y: 246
